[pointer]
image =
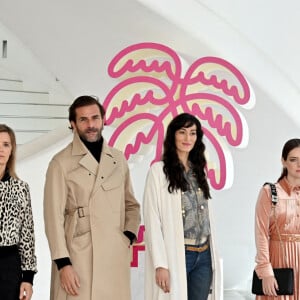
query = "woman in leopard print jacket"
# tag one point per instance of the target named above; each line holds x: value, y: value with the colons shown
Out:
x: 17, y: 256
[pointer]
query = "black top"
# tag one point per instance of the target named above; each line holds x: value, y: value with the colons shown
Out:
x: 95, y: 148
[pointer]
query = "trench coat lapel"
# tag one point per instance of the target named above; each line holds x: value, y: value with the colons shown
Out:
x: 107, y: 165
x: 102, y: 171
x: 87, y: 161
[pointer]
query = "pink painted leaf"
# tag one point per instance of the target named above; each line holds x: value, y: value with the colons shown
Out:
x: 146, y: 58
x: 218, y: 76
x: 134, y: 95
x: 136, y: 131
x: 218, y: 114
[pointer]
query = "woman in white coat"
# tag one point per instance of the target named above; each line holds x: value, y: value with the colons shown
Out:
x: 180, y: 254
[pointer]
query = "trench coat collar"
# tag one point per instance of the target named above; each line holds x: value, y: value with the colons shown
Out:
x: 87, y: 160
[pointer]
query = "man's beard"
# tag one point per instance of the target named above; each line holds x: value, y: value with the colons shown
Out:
x: 84, y: 135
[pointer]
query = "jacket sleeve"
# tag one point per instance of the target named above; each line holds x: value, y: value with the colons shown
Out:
x: 27, y: 240
x: 262, y: 221
x: 153, y: 221
x: 132, y: 207
x: 55, y: 197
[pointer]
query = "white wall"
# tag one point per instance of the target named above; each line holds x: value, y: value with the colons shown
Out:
x: 22, y: 64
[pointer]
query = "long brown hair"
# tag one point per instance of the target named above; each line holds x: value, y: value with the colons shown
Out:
x: 11, y: 163
x: 173, y: 168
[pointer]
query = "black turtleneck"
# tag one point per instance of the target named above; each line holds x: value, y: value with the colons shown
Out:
x: 94, y: 147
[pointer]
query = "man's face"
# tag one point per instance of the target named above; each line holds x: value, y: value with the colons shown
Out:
x: 89, y: 123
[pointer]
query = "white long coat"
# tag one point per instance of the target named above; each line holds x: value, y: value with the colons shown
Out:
x: 164, y: 238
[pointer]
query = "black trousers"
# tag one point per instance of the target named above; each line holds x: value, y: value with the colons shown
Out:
x: 10, y: 273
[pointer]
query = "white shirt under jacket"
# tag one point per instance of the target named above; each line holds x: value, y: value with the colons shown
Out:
x: 164, y: 238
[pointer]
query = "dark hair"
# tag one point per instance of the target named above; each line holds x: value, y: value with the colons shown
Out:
x: 11, y: 163
x: 84, y: 101
x: 173, y: 168
x: 287, y: 148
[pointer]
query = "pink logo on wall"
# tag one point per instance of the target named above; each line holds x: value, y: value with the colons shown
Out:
x: 156, y: 84
x: 138, y: 246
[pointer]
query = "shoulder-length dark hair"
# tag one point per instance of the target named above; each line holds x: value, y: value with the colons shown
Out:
x: 287, y: 148
x: 173, y: 168
x: 11, y: 163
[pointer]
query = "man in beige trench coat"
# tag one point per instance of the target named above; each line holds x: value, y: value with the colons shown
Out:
x: 91, y: 215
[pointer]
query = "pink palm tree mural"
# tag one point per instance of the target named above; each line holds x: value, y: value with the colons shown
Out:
x: 153, y: 88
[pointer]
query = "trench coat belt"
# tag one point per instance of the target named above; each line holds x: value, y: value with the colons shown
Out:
x: 82, y: 211
x: 286, y: 237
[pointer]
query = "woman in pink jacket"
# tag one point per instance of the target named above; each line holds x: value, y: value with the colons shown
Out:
x: 287, y: 215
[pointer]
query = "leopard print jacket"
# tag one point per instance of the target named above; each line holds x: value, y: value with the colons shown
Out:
x: 16, y: 221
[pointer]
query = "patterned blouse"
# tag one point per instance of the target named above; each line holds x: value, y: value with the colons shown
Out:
x: 194, y: 212
x: 16, y: 221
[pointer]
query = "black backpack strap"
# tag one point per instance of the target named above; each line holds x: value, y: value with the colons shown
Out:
x: 273, y: 192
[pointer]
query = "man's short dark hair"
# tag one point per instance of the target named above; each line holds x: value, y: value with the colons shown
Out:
x: 84, y: 101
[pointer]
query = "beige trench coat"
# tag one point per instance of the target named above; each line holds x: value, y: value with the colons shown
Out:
x: 87, y: 207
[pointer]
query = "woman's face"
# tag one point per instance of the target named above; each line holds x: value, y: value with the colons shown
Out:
x: 5, y: 148
x: 292, y: 164
x: 185, y: 139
